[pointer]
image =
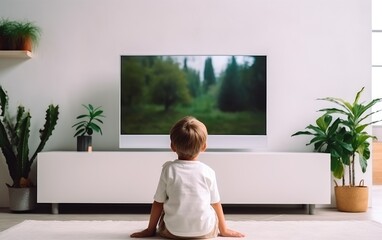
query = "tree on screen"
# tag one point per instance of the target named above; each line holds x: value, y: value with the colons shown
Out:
x: 231, y: 95
x: 209, y: 74
x: 134, y: 73
x: 169, y: 85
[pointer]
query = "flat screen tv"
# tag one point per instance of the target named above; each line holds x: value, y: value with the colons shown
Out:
x: 227, y: 93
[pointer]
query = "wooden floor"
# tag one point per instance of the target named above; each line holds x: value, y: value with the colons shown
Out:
x: 377, y: 163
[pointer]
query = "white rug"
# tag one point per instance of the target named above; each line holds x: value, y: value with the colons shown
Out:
x: 260, y: 230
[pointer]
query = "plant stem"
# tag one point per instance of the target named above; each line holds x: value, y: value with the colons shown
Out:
x: 350, y: 178
x: 352, y: 170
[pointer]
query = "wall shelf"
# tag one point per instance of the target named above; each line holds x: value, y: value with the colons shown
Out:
x: 15, y: 54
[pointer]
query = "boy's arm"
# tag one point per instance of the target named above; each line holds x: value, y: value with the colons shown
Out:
x: 224, y: 231
x: 156, y: 211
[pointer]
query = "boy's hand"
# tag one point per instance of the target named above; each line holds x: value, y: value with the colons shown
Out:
x: 231, y: 233
x: 142, y: 234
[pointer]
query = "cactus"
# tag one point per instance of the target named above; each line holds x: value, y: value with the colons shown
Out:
x: 14, y: 137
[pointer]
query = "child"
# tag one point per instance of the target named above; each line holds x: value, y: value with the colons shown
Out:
x: 187, y: 202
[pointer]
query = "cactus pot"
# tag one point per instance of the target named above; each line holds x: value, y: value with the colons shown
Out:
x: 22, y: 199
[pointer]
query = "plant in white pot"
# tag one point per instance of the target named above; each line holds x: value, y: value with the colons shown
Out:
x: 345, y: 139
x: 88, y: 124
x: 14, y: 137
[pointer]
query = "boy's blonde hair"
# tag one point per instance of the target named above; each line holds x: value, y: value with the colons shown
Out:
x: 189, y: 137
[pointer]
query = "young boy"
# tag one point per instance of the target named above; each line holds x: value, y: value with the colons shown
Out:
x: 187, y: 202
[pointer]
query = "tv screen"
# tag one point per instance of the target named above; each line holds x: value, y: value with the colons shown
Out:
x: 227, y: 93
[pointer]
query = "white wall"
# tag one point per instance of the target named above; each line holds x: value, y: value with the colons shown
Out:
x: 314, y: 48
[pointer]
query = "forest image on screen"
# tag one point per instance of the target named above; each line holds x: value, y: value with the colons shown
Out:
x: 227, y: 93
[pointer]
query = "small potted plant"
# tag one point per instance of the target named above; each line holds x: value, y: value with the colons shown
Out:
x: 18, y: 35
x: 14, y: 136
x: 88, y: 124
x: 345, y: 138
x: 26, y: 35
x: 5, y: 33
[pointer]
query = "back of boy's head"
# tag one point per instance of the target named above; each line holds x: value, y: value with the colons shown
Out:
x: 189, y: 137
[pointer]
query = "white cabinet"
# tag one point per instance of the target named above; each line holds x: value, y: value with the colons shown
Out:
x: 132, y: 177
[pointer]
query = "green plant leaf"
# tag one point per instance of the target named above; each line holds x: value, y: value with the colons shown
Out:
x: 337, y: 167
x: 88, y: 126
x: 23, y: 133
x: 346, y: 136
x: 3, y: 101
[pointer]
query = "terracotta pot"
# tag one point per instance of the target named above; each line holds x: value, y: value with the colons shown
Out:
x: 24, y: 44
x: 352, y: 199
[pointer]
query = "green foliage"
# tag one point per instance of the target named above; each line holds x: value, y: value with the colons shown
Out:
x: 254, y: 83
x: 89, y: 122
x: 14, y: 137
x: 5, y: 34
x: 193, y: 80
x: 134, y: 72
x: 209, y: 74
x: 345, y: 137
x: 169, y: 85
x: 15, y: 32
x: 231, y: 94
x: 5, y: 27
x: 24, y: 30
x: 153, y: 80
x: 217, y: 122
x: 243, y: 87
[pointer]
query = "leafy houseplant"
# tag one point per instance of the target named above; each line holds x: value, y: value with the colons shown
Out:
x: 345, y: 137
x: 14, y: 137
x: 18, y: 35
x: 88, y: 124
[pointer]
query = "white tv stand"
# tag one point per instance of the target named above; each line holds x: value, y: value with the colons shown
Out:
x: 132, y: 177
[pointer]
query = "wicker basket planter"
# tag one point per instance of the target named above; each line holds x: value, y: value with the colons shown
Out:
x: 352, y: 198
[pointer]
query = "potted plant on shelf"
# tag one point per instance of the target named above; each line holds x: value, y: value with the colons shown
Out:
x: 18, y: 35
x: 14, y: 137
x: 6, y: 28
x: 88, y: 124
x: 26, y: 35
x: 345, y: 139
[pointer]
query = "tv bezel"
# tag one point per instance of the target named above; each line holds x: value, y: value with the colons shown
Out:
x: 214, y: 142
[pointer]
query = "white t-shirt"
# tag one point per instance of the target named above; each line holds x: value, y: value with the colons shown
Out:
x: 188, y: 188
